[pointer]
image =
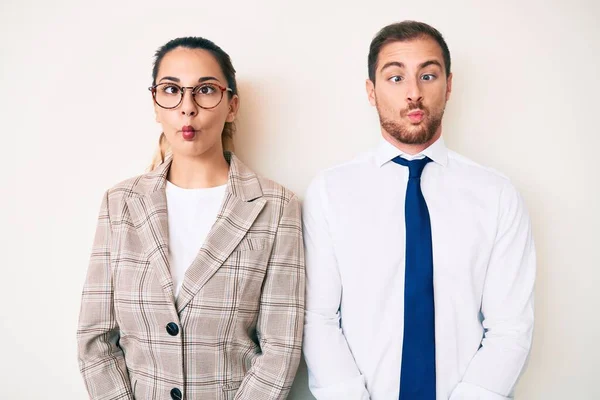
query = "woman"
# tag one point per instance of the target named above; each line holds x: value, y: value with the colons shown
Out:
x: 195, y: 288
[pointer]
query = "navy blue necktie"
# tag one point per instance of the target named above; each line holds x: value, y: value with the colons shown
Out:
x: 417, y: 377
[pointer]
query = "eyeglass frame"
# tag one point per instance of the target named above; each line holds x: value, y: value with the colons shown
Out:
x: 192, y: 88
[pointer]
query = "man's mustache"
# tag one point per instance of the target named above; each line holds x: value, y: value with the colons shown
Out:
x: 417, y: 105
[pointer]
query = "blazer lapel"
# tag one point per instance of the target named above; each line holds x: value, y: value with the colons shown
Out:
x: 148, y: 211
x: 242, y: 203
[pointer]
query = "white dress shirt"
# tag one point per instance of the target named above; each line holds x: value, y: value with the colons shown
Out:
x: 191, y: 214
x: 484, y: 271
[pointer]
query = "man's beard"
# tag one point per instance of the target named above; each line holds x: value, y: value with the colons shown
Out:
x: 412, y: 134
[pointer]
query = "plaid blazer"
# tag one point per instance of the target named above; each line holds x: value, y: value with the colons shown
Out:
x: 235, y: 329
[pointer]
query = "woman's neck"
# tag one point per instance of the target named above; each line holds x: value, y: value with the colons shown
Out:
x: 208, y: 170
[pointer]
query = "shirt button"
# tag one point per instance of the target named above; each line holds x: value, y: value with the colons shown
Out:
x: 176, y: 394
x: 172, y: 329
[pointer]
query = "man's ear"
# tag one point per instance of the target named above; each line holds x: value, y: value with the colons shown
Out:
x: 448, y: 87
x: 370, y: 87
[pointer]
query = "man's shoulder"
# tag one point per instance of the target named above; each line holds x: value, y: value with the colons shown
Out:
x: 352, y: 169
x: 473, y: 171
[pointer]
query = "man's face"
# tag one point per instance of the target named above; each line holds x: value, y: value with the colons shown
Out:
x: 411, y: 90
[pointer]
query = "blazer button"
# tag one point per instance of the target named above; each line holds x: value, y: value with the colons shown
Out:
x: 172, y: 329
x: 176, y: 394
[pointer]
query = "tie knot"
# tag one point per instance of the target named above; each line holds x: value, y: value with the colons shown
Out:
x: 415, y: 167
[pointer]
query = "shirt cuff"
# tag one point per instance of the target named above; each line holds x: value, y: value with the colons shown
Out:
x: 354, y: 389
x: 469, y: 391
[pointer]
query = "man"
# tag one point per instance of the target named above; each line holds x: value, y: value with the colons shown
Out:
x: 420, y: 263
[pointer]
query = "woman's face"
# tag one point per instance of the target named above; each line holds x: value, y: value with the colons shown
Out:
x: 191, y: 130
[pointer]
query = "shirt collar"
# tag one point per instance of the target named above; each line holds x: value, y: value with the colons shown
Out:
x: 437, y: 151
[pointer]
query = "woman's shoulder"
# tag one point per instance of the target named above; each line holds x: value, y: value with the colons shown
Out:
x: 281, y: 202
x: 248, y: 184
x: 134, y: 186
x: 274, y: 191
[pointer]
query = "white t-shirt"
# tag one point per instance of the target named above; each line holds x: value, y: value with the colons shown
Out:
x: 191, y: 215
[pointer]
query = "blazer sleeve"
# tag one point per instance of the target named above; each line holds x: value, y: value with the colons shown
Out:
x: 101, y: 360
x: 281, y: 315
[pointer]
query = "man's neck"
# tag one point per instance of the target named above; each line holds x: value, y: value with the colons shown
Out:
x: 411, y: 149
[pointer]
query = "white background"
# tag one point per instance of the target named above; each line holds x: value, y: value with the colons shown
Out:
x: 76, y: 118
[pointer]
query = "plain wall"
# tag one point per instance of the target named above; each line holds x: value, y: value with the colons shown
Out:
x: 76, y: 118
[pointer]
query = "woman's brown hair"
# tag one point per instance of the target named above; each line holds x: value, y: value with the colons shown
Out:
x: 224, y: 61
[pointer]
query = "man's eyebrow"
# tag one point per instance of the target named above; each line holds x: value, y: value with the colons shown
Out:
x: 421, y: 66
x: 430, y: 62
x: 392, y: 64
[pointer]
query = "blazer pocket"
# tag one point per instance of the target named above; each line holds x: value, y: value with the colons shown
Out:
x: 230, y: 389
x: 252, y: 244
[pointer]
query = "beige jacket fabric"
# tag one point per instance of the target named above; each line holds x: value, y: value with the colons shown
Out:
x: 235, y: 329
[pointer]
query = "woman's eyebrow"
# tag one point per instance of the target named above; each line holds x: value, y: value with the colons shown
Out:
x: 170, y: 78
x: 208, y: 78
x: 202, y: 79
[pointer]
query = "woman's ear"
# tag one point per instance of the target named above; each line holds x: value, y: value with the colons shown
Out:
x: 156, y: 113
x: 234, y: 105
